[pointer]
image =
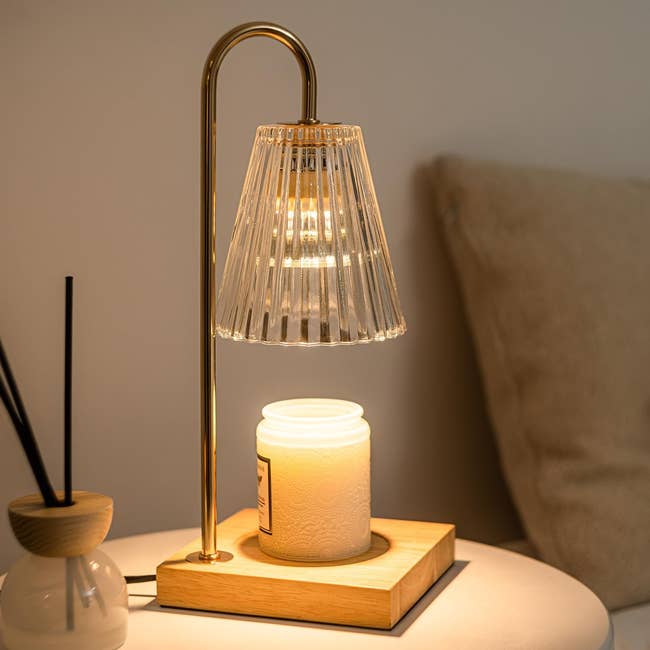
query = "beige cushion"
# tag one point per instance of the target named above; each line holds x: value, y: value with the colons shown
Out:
x: 555, y: 271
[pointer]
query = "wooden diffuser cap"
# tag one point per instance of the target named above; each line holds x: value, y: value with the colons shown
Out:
x: 64, y: 531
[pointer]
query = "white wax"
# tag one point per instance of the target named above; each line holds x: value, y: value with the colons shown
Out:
x: 314, y: 480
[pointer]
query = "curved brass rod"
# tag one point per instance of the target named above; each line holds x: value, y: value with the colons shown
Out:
x: 209, y: 551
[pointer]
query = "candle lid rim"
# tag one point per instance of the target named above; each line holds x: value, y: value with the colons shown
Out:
x: 341, y: 410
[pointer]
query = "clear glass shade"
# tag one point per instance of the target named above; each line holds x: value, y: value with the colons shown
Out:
x: 308, y: 262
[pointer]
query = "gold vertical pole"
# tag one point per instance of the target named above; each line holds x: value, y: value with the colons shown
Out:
x: 209, y: 552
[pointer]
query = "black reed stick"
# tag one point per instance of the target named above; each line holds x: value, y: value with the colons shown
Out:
x: 11, y: 410
x: 25, y: 433
x: 67, y: 395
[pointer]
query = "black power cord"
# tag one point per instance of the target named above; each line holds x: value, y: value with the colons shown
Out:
x: 130, y: 580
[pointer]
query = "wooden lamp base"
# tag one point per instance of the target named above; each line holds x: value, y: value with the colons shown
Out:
x: 371, y: 590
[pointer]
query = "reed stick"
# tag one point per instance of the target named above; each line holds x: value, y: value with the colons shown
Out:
x: 67, y: 395
x: 25, y: 433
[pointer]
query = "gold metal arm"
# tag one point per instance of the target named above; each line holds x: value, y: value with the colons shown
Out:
x: 208, y: 255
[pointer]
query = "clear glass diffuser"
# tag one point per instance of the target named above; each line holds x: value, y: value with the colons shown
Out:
x: 76, y: 603
x: 308, y: 262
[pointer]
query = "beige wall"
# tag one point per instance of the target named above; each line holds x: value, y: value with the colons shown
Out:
x: 99, y: 150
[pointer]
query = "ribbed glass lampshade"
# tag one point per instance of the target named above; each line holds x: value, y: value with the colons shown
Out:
x: 308, y: 262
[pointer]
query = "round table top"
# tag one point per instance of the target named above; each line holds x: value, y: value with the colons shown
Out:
x: 490, y: 599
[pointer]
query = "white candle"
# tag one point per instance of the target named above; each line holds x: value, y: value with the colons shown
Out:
x: 313, y: 471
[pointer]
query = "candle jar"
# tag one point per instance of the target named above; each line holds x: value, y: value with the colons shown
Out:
x: 313, y: 473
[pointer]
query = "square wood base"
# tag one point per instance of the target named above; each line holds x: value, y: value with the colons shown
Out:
x: 371, y: 590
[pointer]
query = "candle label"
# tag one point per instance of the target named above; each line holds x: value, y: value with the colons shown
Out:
x: 264, y: 493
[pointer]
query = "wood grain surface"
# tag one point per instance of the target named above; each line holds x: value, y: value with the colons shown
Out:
x: 64, y: 531
x: 374, y: 589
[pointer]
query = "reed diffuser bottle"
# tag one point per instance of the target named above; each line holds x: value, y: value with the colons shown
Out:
x: 64, y: 593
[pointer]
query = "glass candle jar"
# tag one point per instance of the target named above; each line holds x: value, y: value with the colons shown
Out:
x: 313, y: 472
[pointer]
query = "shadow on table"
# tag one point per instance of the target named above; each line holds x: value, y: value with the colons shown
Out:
x: 409, y: 618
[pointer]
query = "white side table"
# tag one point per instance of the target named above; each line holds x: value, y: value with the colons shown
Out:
x: 491, y: 599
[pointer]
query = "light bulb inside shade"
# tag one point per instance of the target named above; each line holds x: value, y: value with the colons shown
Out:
x: 308, y: 262
x: 308, y: 222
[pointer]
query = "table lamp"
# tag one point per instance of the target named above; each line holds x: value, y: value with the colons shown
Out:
x: 308, y: 265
